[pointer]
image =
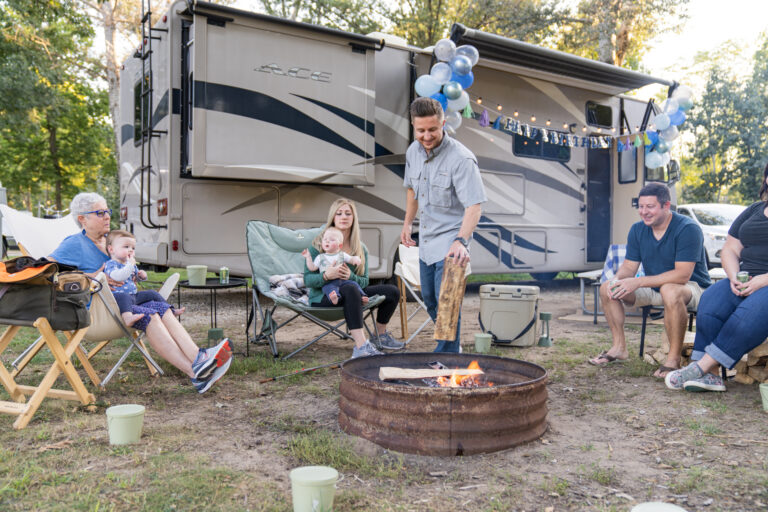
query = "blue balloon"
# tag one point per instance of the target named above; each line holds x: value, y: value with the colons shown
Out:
x: 677, y: 118
x: 461, y: 65
x: 440, y: 97
x: 465, y: 81
x: 653, y: 136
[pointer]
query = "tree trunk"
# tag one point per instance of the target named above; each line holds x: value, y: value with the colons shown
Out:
x: 53, y: 148
x: 112, y: 70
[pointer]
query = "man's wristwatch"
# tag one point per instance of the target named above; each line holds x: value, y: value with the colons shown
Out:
x: 463, y: 241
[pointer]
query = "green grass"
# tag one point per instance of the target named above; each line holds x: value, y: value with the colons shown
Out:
x: 324, y: 448
x: 698, y: 426
x: 602, y: 475
x: 694, y: 479
x: 510, y: 278
x: 556, y: 485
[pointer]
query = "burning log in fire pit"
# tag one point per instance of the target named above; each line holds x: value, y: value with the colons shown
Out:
x: 501, y: 407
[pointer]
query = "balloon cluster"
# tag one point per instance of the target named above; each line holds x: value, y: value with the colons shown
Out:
x: 448, y: 80
x: 672, y: 115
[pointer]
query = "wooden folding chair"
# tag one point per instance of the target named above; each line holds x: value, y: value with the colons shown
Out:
x: 62, y: 363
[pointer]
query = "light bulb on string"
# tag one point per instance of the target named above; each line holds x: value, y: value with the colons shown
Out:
x: 533, y: 118
x: 498, y: 107
x: 516, y: 113
x: 548, y: 122
x: 479, y: 100
x: 584, y: 128
x: 565, y: 126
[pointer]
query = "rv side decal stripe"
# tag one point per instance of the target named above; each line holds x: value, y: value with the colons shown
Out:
x: 351, y: 118
x: 255, y: 105
x: 532, y: 175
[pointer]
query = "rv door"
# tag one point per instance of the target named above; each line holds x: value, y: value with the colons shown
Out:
x: 280, y: 102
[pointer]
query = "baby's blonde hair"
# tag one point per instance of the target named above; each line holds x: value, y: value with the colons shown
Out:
x: 331, y: 230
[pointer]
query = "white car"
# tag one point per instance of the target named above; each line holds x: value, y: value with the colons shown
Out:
x: 714, y: 220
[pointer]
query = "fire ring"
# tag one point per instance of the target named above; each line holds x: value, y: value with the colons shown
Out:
x: 444, y: 421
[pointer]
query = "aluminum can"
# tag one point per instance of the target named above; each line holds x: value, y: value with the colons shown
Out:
x: 224, y: 275
x: 742, y: 276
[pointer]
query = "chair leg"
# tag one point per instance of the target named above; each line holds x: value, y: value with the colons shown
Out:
x: 646, y: 311
x: 403, y: 309
x: 31, y: 351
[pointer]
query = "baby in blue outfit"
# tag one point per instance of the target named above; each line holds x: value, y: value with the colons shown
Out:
x: 136, y: 307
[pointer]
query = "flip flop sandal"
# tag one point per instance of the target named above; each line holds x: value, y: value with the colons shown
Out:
x: 665, y: 369
x: 608, y: 360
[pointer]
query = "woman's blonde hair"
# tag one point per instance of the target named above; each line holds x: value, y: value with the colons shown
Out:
x: 355, y: 245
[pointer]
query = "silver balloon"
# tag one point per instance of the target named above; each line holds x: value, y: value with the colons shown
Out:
x: 441, y: 73
x: 450, y: 131
x: 452, y: 90
x: 461, y: 65
x: 445, y: 50
x: 470, y: 52
x: 661, y: 121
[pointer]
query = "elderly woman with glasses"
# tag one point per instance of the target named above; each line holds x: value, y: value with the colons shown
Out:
x: 87, y: 251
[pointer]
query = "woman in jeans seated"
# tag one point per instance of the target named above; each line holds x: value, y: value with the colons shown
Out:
x: 731, y: 316
x: 87, y: 251
x: 343, y: 216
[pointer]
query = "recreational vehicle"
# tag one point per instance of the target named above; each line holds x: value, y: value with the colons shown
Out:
x: 228, y: 116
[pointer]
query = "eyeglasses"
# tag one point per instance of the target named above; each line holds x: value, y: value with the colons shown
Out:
x: 100, y: 213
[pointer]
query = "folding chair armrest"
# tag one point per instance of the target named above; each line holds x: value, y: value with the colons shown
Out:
x: 169, y: 285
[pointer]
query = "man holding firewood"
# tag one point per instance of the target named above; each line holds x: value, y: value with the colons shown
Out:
x: 444, y: 186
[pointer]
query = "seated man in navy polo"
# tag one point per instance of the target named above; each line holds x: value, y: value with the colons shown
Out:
x: 671, y: 250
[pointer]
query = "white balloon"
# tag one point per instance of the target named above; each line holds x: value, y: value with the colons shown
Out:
x: 459, y: 103
x: 682, y: 91
x: 665, y: 158
x: 653, y: 160
x: 661, y: 121
x: 671, y: 106
x: 441, y: 73
x: 469, y: 51
x: 445, y: 50
x: 669, y: 134
x: 453, y: 120
x: 426, y: 86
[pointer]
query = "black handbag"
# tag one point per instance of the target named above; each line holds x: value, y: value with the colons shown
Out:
x: 33, y: 288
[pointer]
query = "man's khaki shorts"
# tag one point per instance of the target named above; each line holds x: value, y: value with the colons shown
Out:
x: 650, y: 297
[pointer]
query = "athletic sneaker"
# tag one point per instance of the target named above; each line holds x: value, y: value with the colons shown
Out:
x: 210, y: 358
x: 387, y: 342
x: 676, y: 379
x: 707, y: 382
x: 203, y: 385
x: 365, y: 350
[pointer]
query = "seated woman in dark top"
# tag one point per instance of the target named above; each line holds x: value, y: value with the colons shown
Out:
x: 731, y: 316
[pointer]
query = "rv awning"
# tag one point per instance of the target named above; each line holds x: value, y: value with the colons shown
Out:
x: 512, y: 51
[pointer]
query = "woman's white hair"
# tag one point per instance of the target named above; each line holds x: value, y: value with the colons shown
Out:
x: 83, y: 202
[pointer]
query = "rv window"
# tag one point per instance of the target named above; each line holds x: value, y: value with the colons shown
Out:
x: 628, y: 166
x: 140, y: 124
x: 657, y: 174
x: 535, y: 148
x: 599, y: 115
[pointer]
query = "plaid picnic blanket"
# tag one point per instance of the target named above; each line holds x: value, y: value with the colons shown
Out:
x: 613, y: 260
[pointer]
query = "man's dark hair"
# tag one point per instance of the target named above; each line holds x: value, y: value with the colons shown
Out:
x: 659, y: 190
x: 426, y: 107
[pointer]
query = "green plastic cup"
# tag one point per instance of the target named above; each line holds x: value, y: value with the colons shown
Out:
x: 482, y: 342
x: 764, y: 395
x: 124, y: 423
x: 313, y: 488
x: 196, y: 274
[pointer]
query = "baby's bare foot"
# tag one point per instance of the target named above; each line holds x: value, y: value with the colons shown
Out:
x: 365, y: 299
x: 130, y: 318
x: 178, y: 311
x: 334, y: 297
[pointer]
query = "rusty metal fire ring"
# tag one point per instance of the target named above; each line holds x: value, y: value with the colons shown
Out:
x: 444, y: 421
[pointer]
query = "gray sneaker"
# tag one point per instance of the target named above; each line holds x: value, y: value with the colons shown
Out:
x: 677, y: 378
x: 365, y: 350
x: 387, y: 342
x: 707, y: 382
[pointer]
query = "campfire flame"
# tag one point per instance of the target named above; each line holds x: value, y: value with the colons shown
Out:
x: 464, y: 381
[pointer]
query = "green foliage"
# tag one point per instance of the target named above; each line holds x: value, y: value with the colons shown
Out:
x: 54, y: 129
x: 359, y: 16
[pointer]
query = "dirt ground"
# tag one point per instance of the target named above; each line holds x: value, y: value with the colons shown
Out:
x: 617, y: 437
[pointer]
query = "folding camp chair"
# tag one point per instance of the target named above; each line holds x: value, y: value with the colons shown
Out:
x: 62, y: 363
x: 38, y: 238
x: 275, y: 250
x: 408, y: 280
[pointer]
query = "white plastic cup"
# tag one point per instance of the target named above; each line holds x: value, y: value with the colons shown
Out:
x: 125, y: 423
x: 482, y: 342
x: 196, y: 274
x: 764, y: 395
x: 313, y: 488
x: 657, y: 506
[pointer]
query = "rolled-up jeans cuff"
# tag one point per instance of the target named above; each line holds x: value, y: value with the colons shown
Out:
x: 720, y: 356
x: 697, y: 354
